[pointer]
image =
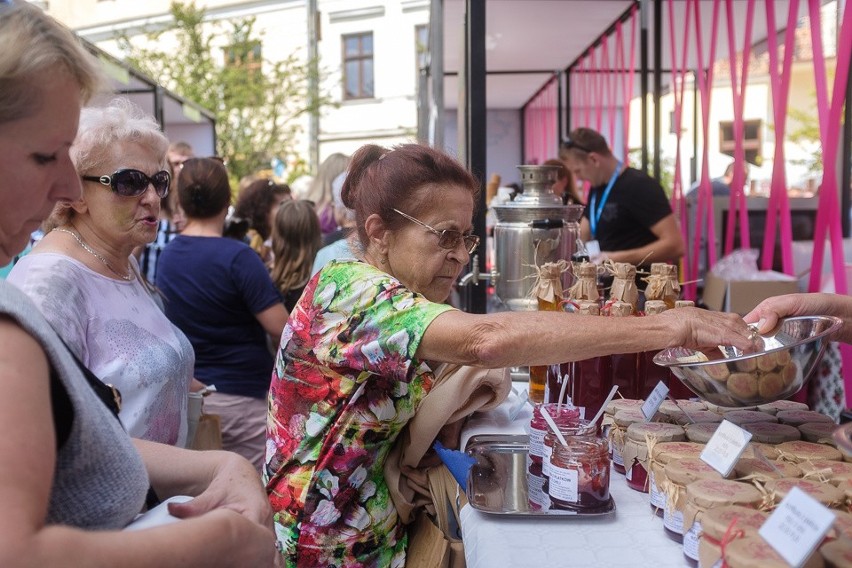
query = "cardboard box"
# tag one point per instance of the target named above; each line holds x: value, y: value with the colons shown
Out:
x: 741, y: 296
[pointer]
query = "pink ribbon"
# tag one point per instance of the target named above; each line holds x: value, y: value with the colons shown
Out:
x: 738, y: 91
x: 828, y: 211
x: 779, y: 203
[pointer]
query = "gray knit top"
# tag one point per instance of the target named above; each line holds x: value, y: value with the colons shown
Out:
x: 100, y: 481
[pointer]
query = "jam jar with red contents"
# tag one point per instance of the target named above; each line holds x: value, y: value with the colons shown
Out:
x: 636, y: 452
x: 563, y: 415
x: 551, y: 441
x: 579, y: 474
x: 624, y: 366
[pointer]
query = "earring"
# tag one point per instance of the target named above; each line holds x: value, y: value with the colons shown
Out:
x: 383, y: 260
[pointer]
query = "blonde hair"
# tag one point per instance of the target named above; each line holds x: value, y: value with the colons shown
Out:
x: 33, y: 46
x: 296, y: 238
x: 320, y: 189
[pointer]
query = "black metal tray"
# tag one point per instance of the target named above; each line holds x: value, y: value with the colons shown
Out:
x: 499, y: 482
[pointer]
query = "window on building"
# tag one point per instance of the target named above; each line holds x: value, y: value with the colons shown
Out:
x: 421, y: 45
x: 358, y: 66
x: 752, y: 139
x: 245, y: 61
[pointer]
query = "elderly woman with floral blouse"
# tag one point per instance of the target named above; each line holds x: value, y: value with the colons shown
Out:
x: 357, y: 354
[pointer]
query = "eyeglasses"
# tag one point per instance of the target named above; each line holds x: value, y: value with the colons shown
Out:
x: 133, y: 183
x: 447, y: 238
x: 567, y: 143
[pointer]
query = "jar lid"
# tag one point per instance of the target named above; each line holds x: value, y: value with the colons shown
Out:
x: 696, y: 417
x: 800, y: 451
x: 700, y: 433
x: 796, y: 417
x: 831, y: 469
x: 625, y: 418
x: 772, y: 433
x: 715, y: 521
x: 669, y: 407
x: 774, y: 407
x: 661, y: 431
x: 623, y: 404
x: 588, y: 308
x: 837, y: 552
x: 686, y: 470
x: 723, y: 409
x: 763, y: 471
x: 754, y: 552
x: 684, y: 304
x: 664, y: 452
x: 842, y: 524
x: 740, y: 417
x: 825, y: 493
x: 622, y: 309
x: 653, y: 307
x: 707, y: 493
x: 818, y: 432
x: 768, y: 451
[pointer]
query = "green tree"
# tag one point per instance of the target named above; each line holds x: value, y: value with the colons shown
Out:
x: 804, y: 132
x: 258, y: 104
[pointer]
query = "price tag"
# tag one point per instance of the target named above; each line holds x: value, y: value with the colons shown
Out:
x: 725, y: 447
x: 654, y: 400
x: 797, y: 526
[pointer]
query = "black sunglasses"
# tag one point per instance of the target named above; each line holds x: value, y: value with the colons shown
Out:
x: 567, y: 143
x: 133, y: 183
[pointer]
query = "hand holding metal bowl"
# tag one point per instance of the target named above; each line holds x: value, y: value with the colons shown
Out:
x: 779, y: 366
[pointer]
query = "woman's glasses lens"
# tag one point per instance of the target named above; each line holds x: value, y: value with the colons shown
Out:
x: 132, y: 183
x: 450, y: 239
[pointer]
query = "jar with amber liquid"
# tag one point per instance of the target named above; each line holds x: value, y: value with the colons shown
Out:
x: 548, y: 291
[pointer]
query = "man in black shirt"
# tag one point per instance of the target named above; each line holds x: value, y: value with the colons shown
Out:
x: 627, y: 211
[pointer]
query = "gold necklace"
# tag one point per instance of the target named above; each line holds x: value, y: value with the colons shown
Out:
x: 91, y: 251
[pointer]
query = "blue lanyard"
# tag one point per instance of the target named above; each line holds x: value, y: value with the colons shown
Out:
x: 596, y: 212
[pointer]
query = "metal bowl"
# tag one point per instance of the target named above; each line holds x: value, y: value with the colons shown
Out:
x: 781, y: 364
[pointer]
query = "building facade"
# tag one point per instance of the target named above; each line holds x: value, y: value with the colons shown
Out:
x: 368, y: 53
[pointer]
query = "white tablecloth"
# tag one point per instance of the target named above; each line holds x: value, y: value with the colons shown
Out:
x: 632, y: 537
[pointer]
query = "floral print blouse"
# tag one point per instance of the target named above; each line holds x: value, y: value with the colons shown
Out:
x: 344, y: 385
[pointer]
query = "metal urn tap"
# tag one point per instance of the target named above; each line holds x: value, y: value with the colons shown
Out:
x: 531, y: 230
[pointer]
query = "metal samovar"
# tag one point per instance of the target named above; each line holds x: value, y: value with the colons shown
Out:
x: 531, y: 230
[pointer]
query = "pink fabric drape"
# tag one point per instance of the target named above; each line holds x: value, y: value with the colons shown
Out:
x: 828, y: 211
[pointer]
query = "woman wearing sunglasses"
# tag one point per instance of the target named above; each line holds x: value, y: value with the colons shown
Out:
x: 71, y: 476
x: 87, y: 283
x: 357, y: 354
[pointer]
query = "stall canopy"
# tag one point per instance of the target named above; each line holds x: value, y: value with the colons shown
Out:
x: 181, y: 120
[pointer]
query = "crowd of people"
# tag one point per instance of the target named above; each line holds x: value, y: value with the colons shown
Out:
x: 323, y: 326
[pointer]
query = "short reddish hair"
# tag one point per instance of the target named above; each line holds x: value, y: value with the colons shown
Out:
x: 381, y: 180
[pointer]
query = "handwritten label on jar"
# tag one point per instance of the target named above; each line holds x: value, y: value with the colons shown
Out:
x: 654, y: 400
x: 725, y: 447
x: 797, y: 526
x: 564, y: 484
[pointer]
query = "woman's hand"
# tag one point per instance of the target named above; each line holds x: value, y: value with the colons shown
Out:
x: 254, y: 543
x: 235, y: 485
x: 699, y: 328
x: 768, y: 313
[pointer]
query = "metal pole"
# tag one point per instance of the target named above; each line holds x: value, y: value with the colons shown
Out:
x: 476, y: 131
x: 567, y: 101
x: 436, y: 68
x: 658, y: 82
x: 643, y: 79
x: 313, y: 84
x: 846, y: 158
x: 693, y: 166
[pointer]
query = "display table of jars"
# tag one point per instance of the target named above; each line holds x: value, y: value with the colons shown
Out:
x: 630, y: 536
x: 668, y: 508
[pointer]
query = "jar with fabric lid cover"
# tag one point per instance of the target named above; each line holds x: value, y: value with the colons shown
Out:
x: 706, y: 494
x: 676, y: 476
x: 725, y: 524
x: 641, y: 438
x: 661, y: 454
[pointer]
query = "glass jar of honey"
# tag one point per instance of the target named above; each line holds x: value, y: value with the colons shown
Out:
x: 579, y: 473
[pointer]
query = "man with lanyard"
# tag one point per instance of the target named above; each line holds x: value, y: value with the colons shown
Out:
x: 628, y: 217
